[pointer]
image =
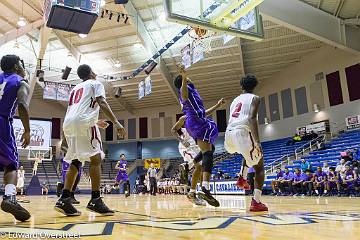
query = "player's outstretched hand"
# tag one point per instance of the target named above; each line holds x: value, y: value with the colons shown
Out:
x: 102, y: 124
x: 121, y: 132
x: 222, y: 102
x: 25, y: 139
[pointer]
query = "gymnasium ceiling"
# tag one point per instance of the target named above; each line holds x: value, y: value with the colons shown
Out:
x: 110, y: 41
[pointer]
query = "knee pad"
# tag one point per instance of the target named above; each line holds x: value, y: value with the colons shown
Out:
x: 76, y: 163
x: 207, y: 162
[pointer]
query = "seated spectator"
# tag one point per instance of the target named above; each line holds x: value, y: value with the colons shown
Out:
x: 305, y: 165
x: 275, y: 183
x: 286, y: 182
x: 308, y: 183
x: 325, y: 168
x: 320, y: 145
x: 333, y: 181
x: 297, y: 183
x: 348, y: 182
x: 340, y: 168
x: 320, y: 179
x: 295, y: 139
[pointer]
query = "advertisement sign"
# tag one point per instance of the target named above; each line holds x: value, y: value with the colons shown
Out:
x: 352, y: 122
x: 212, y: 188
x: 228, y: 187
x: 319, y: 127
x: 40, y: 133
x: 155, y: 161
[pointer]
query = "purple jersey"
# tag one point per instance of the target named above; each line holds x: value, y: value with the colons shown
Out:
x: 332, y: 176
x: 288, y: 176
x: 122, y: 164
x: 306, y: 177
x: 65, y: 166
x: 279, y: 175
x: 9, y: 86
x: 349, y: 175
x: 297, y: 177
x: 194, y: 105
x: 122, y: 174
x: 320, y: 176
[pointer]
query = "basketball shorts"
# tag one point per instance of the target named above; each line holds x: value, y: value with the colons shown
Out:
x: 8, y: 150
x: 20, y: 183
x: 83, y: 144
x: 189, y: 154
x: 203, y: 129
x: 241, y: 141
x: 121, y: 177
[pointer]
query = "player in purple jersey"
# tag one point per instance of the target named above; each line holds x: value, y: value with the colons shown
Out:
x: 320, y: 179
x: 202, y: 129
x: 297, y: 186
x: 276, y: 181
x: 308, y: 183
x: 286, y: 182
x: 14, y: 92
x: 333, y: 181
x: 122, y: 176
x: 348, y: 182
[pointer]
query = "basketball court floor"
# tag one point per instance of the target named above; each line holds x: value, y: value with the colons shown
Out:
x: 173, y: 217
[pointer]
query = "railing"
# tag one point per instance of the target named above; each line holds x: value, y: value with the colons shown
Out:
x: 308, y: 146
x: 270, y: 167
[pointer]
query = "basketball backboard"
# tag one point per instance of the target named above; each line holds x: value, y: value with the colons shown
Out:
x: 218, y: 16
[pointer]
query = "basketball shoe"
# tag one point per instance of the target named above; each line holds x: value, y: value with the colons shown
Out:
x: 97, y: 205
x: 206, y: 195
x: 242, y: 183
x: 64, y: 206
x: 257, y: 206
x: 10, y: 205
x: 191, y: 196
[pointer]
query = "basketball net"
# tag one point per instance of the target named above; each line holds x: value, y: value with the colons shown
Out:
x: 201, y: 38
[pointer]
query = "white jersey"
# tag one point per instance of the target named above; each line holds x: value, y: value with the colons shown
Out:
x: 188, y: 153
x: 83, y: 112
x: 240, y: 111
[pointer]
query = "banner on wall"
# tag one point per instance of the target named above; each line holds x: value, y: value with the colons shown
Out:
x: 141, y: 89
x: 352, y: 122
x: 155, y: 161
x: 63, y: 92
x: 40, y: 133
x: 50, y: 90
x: 148, y: 85
x: 319, y: 127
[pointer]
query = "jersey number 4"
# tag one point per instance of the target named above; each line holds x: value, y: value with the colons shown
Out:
x: 237, y: 110
x: 78, y: 95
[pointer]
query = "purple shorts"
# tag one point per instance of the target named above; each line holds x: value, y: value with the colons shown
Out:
x: 8, y: 150
x: 332, y: 184
x: 121, y: 177
x: 203, y: 129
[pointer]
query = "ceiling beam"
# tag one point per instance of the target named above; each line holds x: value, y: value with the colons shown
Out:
x: 352, y: 21
x: 151, y: 47
x: 16, y: 33
x: 45, y: 33
x: 328, y: 28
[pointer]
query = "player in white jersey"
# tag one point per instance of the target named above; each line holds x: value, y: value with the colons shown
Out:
x: 242, y: 136
x: 191, y: 152
x: 84, y: 140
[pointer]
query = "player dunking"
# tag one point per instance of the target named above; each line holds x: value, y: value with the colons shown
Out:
x: 122, y: 176
x: 84, y: 140
x: 13, y: 94
x: 202, y: 129
x: 191, y: 153
x: 242, y: 136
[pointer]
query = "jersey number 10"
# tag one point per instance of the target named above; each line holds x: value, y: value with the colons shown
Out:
x: 78, y: 96
x: 237, y: 110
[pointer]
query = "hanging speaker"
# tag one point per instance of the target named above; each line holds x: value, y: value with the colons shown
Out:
x: 151, y: 67
x: 121, y: 1
x: 118, y: 92
x: 40, y: 75
x: 66, y: 73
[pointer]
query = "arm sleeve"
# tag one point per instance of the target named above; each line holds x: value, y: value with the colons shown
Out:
x: 99, y: 89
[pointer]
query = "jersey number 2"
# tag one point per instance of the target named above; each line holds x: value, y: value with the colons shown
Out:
x: 78, y: 95
x: 237, y: 110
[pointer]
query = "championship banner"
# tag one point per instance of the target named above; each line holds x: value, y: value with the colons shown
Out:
x: 148, y: 85
x: 40, y: 133
x: 155, y: 161
x: 186, y: 56
x: 198, y: 53
x: 352, y: 122
x: 50, y: 90
x: 141, y: 89
x: 63, y: 92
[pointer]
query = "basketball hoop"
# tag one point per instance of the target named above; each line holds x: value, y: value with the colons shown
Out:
x: 201, y: 38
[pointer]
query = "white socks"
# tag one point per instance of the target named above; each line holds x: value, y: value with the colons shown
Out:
x: 257, y: 195
x: 206, y: 184
x: 317, y: 191
x: 10, y: 190
x: 244, y: 172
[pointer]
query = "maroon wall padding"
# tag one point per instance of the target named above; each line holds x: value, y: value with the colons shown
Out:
x: 334, y: 88
x: 143, y: 127
x: 56, y: 128
x: 353, y: 81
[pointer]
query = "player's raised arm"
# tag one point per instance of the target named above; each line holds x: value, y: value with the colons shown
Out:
x: 219, y: 104
x: 177, y: 126
x: 184, y: 89
x: 23, y: 109
x: 253, y: 118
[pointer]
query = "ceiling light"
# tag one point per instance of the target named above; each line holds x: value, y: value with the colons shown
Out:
x: 102, y: 3
x: 21, y: 22
x: 117, y: 64
x: 138, y: 45
x: 82, y: 35
x: 266, y: 121
x: 316, y: 108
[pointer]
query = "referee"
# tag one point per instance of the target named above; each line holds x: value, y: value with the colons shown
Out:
x: 152, y: 178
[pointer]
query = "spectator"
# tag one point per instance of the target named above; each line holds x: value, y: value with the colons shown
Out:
x: 357, y: 180
x: 340, y: 168
x: 349, y: 181
x: 297, y: 182
x: 44, y: 189
x: 295, y: 139
x: 320, y: 179
x: 320, y: 145
x: 276, y: 182
x: 347, y: 156
x: 308, y: 183
x: 326, y: 168
x: 305, y: 165
x: 333, y: 181
x: 286, y: 182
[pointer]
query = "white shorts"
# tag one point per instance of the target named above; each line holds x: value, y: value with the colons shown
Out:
x: 241, y: 141
x: 20, y: 183
x: 84, y: 146
x: 189, y: 154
